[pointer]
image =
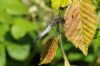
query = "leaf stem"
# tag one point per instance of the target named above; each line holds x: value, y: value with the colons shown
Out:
x: 64, y: 55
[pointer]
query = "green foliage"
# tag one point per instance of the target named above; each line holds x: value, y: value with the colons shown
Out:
x: 18, y: 52
x: 2, y: 55
x: 13, y: 24
x: 19, y: 26
x: 5, y: 18
x: 4, y: 29
x: 14, y: 7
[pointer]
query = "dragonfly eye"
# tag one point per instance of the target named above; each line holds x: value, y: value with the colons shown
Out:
x: 57, y: 19
x: 61, y: 19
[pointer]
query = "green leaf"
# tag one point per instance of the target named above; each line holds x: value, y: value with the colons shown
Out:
x: 74, y: 56
x: 17, y: 9
x: 5, y: 18
x: 4, y: 28
x: 96, y: 44
x: 14, y: 7
x: 21, y: 27
x: 18, y: 52
x: 90, y: 58
x: 97, y: 35
x: 2, y: 55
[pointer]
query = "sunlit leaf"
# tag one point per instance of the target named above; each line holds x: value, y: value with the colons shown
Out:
x: 14, y: 7
x: 64, y: 3
x: 5, y: 18
x: 56, y: 4
x: 21, y: 27
x: 80, y: 23
x: 49, y: 51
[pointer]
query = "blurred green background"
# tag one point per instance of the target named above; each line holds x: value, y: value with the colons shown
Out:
x: 20, y: 23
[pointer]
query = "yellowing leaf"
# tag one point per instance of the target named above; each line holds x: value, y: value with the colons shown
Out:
x: 64, y: 3
x: 80, y: 23
x: 56, y: 4
x: 49, y: 51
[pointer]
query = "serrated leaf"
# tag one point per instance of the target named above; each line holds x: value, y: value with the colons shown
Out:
x: 49, y: 51
x: 80, y: 23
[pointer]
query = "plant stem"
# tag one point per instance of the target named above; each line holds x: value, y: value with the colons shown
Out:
x: 64, y: 55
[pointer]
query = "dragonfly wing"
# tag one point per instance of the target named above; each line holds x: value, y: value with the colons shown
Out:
x: 44, y: 32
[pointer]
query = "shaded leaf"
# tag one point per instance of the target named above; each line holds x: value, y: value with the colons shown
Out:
x: 75, y: 56
x: 49, y: 51
x: 2, y: 55
x: 4, y: 28
x: 80, y: 23
x: 96, y: 44
x: 18, y: 52
x: 90, y: 58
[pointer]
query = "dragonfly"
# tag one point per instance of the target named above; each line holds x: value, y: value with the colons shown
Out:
x: 58, y: 19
